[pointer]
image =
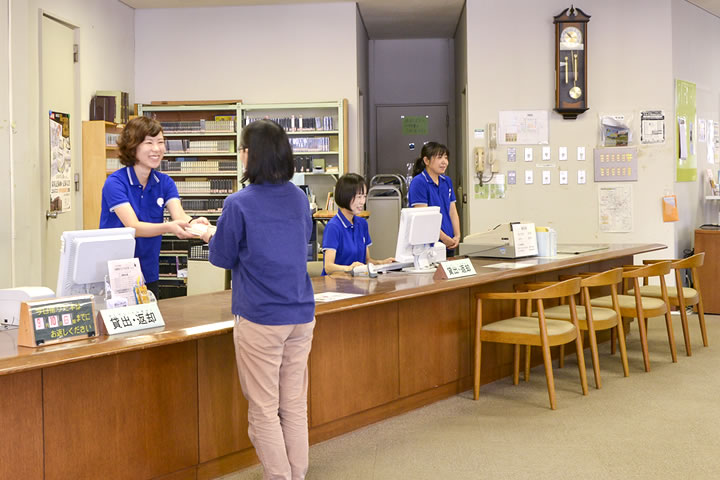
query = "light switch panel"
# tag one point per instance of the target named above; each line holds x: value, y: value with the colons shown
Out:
x: 528, y: 177
x: 511, y: 177
x: 581, y: 177
x: 546, y: 177
x: 563, y: 177
x: 546, y: 153
x: 528, y: 154
x: 581, y: 153
x: 562, y: 153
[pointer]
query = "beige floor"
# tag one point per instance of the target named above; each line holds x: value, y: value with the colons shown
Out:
x: 657, y: 425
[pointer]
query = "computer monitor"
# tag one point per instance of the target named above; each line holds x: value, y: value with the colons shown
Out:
x: 418, y: 233
x: 84, y: 255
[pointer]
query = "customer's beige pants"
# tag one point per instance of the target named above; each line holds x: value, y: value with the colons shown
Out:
x: 272, y: 366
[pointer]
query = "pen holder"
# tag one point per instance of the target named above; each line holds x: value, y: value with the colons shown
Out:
x: 547, y: 243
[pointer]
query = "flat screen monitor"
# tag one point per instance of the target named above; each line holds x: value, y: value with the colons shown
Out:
x: 418, y: 233
x: 84, y: 255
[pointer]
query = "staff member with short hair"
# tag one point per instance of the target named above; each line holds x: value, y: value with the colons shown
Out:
x: 137, y: 195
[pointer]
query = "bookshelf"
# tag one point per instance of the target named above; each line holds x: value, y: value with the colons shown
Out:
x: 99, y: 158
x: 317, y: 133
x: 202, y: 158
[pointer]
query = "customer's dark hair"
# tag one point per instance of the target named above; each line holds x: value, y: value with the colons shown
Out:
x: 270, y: 157
x: 347, y: 187
x: 429, y: 150
x: 133, y: 135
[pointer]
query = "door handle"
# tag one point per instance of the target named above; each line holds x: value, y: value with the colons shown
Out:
x: 49, y: 214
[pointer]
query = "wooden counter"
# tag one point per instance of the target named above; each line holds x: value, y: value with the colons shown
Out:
x: 708, y: 241
x: 166, y: 402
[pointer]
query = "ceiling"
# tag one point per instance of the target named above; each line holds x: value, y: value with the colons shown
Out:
x: 384, y: 19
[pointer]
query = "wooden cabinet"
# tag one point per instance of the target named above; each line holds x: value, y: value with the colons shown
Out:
x: 708, y: 241
x: 99, y: 157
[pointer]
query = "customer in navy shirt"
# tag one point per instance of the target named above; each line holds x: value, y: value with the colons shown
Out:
x: 430, y: 187
x: 137, y: 195
x: 262, y: 236
x: 346, y: 238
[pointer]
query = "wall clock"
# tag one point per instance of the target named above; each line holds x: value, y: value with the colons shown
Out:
x: 571, y: 62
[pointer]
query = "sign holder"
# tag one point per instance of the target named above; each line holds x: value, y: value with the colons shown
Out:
x: 56, y: 320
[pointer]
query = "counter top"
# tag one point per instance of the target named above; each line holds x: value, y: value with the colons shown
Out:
x: 198, y: 316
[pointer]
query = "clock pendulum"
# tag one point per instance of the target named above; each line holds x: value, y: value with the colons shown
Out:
x: 575, y: 92
x: 566, y: 70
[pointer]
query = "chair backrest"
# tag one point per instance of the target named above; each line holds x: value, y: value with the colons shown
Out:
x: 693, y: 261
x: 611, y: 277
x: 659, y: 269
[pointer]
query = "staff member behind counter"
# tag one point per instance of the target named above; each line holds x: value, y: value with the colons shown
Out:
x: 430, y: 187
x: 346, y: 239
x: 136, y: 196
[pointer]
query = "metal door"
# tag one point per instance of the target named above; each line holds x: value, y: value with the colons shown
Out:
x: 57, y: 93
x: 402, y: 130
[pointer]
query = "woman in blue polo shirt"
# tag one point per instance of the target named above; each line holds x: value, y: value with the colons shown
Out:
x: 137, y: 195
x: 430, y: 187
x: 346, y: 238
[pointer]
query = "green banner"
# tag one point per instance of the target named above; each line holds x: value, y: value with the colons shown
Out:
x: 685, y: 131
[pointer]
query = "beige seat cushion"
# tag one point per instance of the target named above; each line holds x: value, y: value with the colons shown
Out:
x: 529, y: 326
x: 627, y: 301
x: 656, y: 291
x: 562, y: 312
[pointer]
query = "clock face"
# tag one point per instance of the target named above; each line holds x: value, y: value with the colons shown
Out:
x: 571, y: 39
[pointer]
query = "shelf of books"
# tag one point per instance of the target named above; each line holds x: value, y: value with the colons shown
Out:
x: 202, y: 158
x: 317, y: 133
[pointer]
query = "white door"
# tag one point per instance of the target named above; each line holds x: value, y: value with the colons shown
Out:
x: 57, y: 93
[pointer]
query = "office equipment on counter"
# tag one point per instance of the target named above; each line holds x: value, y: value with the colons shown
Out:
x: 417, y: 239
x: 372, y: 270
x: 508, y: 240
x: 12, y: 298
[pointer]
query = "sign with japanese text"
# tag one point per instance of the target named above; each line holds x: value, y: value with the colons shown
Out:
x: 56, y: 320
x: 454, y: 269
x: 415, y: 125
x: 132, y: 318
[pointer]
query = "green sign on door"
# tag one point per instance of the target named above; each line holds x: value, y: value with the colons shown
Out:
x: 415, y: 125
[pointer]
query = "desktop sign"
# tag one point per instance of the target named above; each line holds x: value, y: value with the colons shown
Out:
x: 454, y: 269
x: 44, y: 322
x: 131, y: 318
x: 524, y: 239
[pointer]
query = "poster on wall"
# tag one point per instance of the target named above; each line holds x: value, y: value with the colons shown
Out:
x: 615, y: 206
x: 60, y: 162
x: 652, y: 127
x: 685, y: 131
x: 524, y: 127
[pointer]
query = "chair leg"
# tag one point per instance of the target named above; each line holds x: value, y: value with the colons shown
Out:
x: 528, y: 355
x: 671, y: 336
x: 701, y: 316
x: 613, y: 336
x: 685, y: 329
x: 595, y: 359
x: 547, y: 360
x: 623, y: 350
x: 516, y: 364
x: 478, y: 348
x: 643, y: 343
x: 581, y: 364
x: 561, y: 357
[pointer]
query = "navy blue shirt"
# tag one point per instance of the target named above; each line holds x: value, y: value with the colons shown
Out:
x: 123, y: 187
x: 262, y: 236
x: 349, y: 240
x: 423, y: 190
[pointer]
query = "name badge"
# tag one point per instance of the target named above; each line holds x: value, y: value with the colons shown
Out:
x: 455, y: 269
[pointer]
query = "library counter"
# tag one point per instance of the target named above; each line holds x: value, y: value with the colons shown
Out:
x: 170, y: 397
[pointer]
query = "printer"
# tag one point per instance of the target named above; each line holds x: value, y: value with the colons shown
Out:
x: 508, y: 240
x: 11, y: 298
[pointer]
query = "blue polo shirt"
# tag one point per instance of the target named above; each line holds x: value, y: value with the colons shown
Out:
x: 123, y: 187
x: 424, y: 191
x: 349, y: 240
x: 262, y: 236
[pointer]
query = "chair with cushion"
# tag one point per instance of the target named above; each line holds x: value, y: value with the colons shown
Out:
x: 527, y: 330
x: 641, y: 307
x: 592, y: 319
x: 683, y: 297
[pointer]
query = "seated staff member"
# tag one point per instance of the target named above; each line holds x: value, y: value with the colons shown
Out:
x: 346, y: 237
x: 136, y: 196
x: 430, y: 187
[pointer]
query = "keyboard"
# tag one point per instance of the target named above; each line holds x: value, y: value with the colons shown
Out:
x: 390, y: 267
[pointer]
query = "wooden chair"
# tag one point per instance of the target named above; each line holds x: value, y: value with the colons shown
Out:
x: 641, y: 307
x: 592, y: 319
x: 527, y: 330
x: 683, y: 297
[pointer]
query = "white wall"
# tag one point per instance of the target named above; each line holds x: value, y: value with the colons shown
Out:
x: 510, y: 66
x: 4, y: 146
x: 106, y: 51
x: 696, y: 48
x: 411, y: 71
x: 260, y: 54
